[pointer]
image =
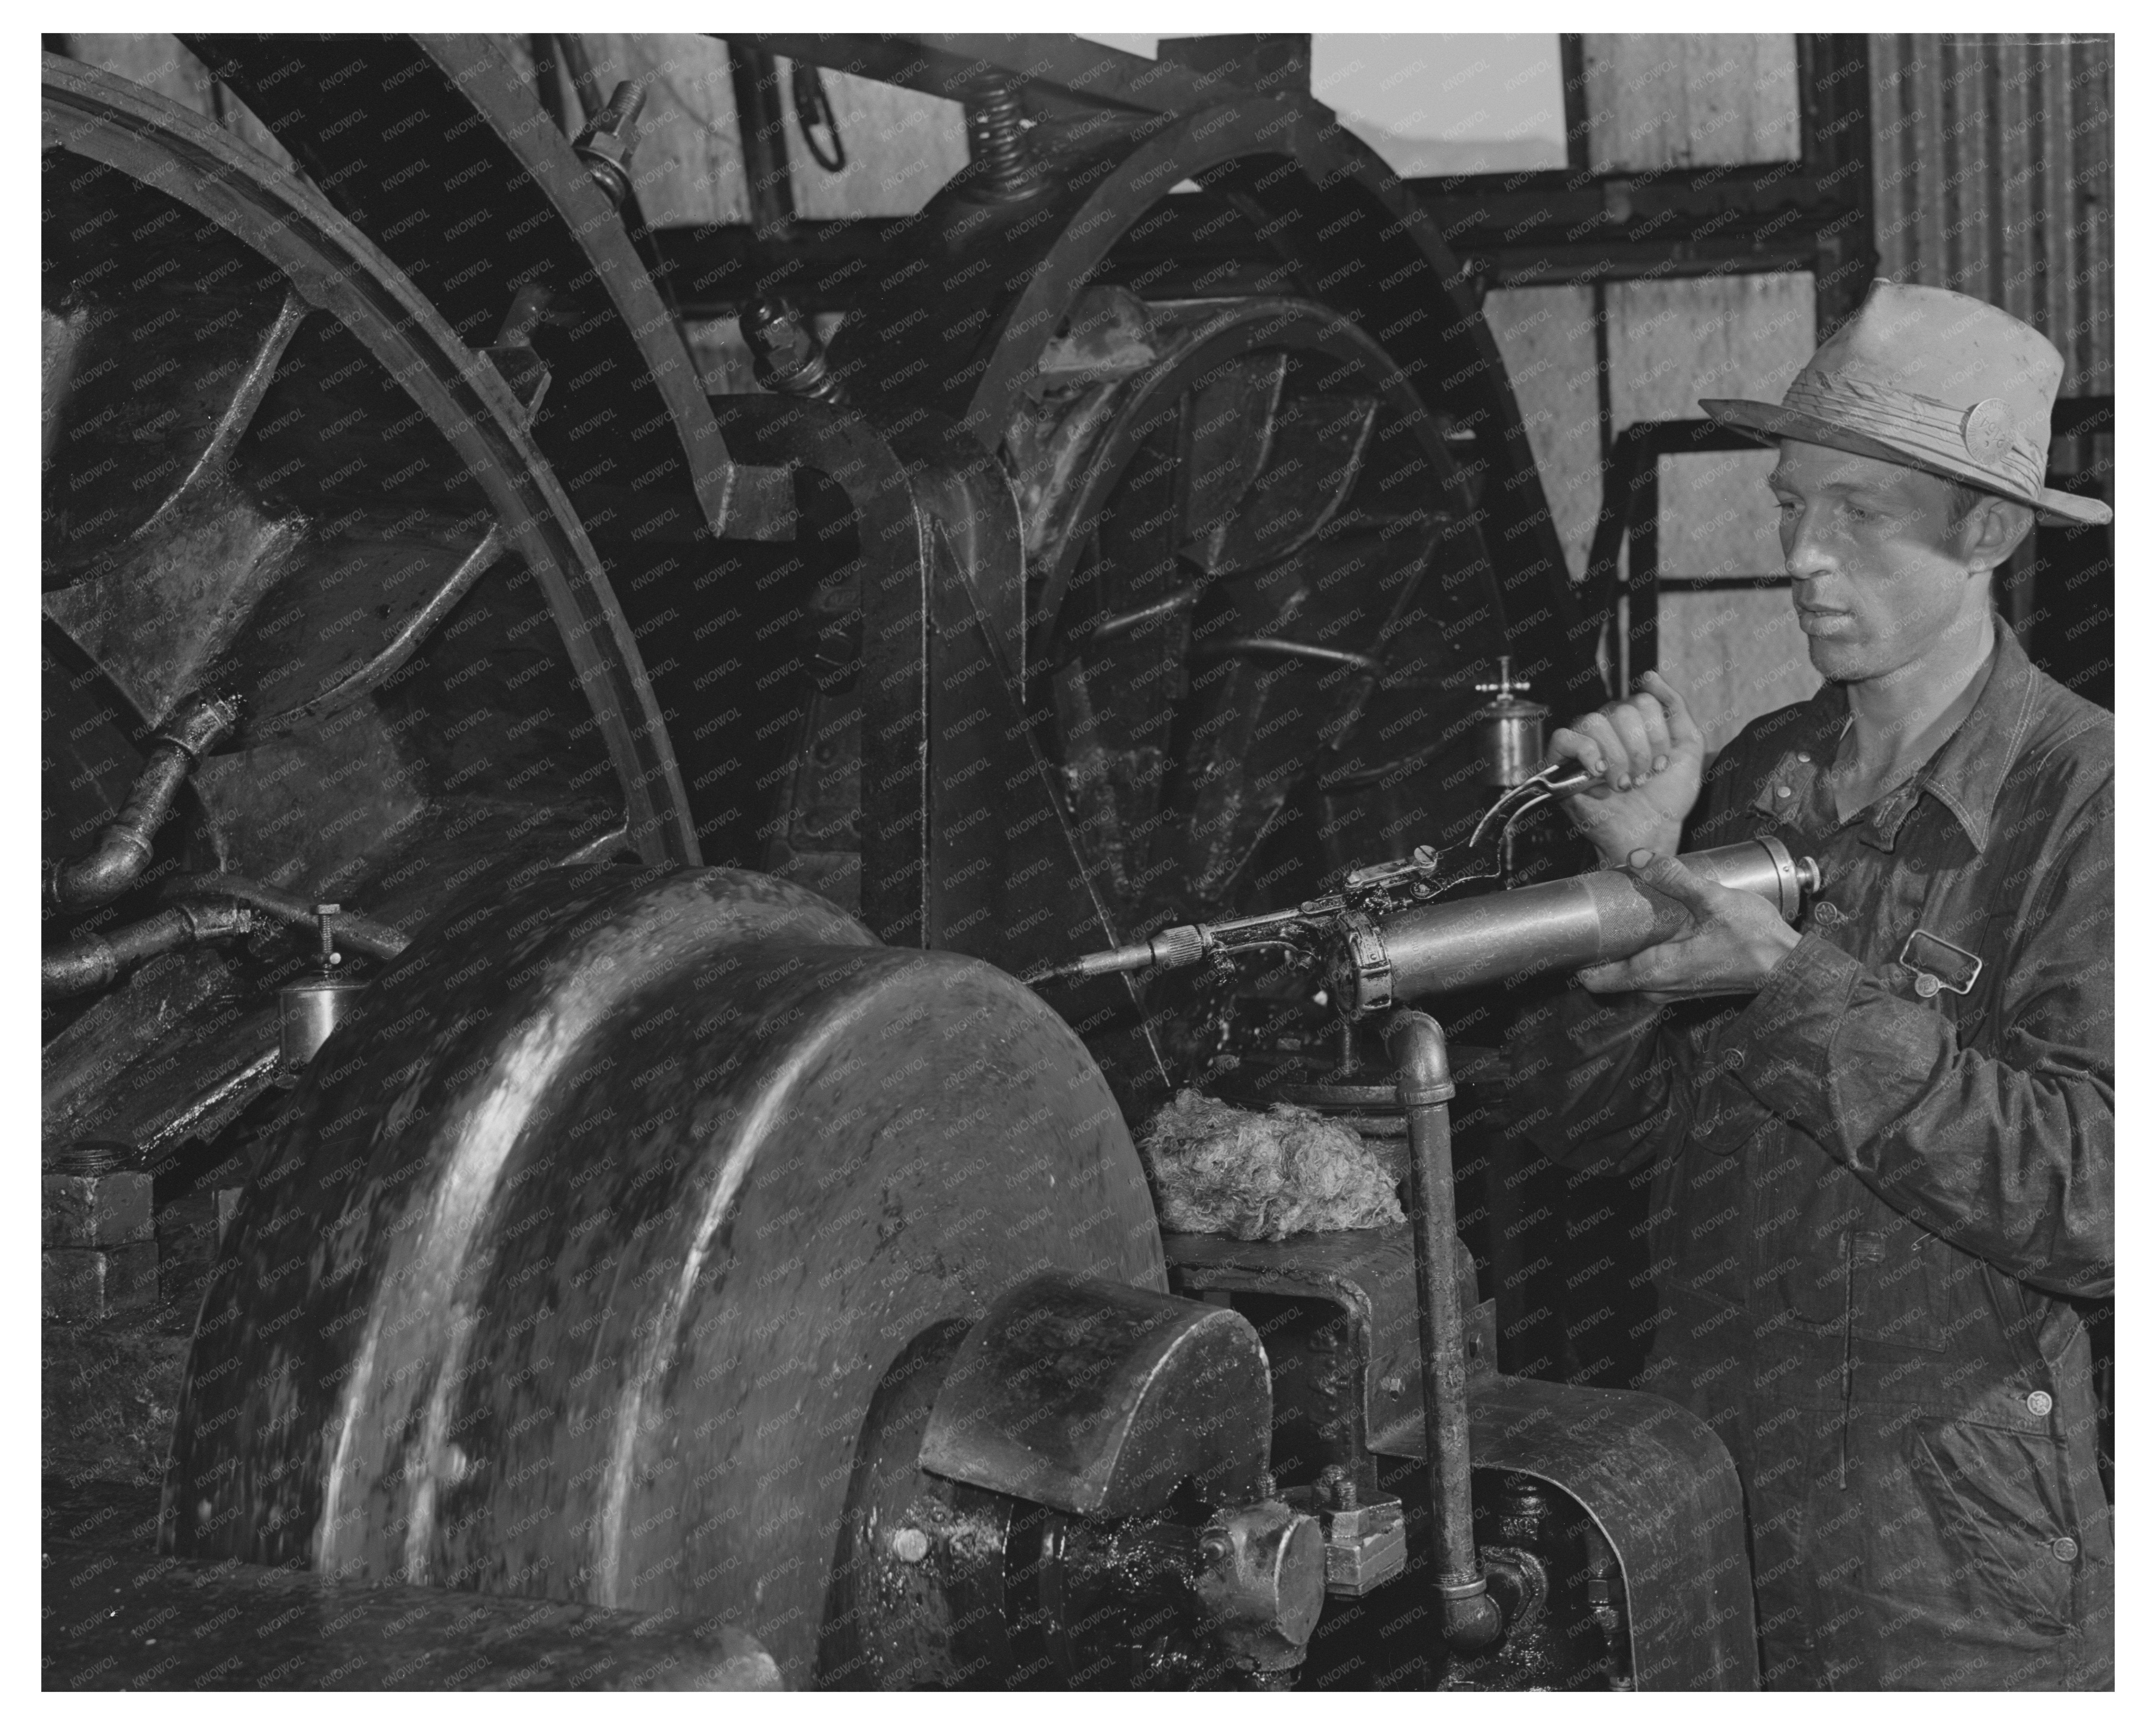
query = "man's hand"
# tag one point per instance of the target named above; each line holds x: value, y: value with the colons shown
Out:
x: 1733, y: 940
x: 1647, y: 752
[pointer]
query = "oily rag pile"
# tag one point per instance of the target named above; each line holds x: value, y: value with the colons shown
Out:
x: 1219, y: 1169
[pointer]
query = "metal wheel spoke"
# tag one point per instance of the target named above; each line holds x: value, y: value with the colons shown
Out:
x: 1315, y: 457
x: 296, y: 675
x: 1227, y: 433
x: 177, y: 600
x: 252, y: 385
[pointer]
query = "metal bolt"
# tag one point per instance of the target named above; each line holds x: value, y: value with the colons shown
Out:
x: 909, y: 1545
x: 1336, y: 1487
x: 789, y: 359
x: 608, y: 141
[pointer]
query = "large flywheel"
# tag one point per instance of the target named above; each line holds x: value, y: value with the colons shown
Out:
x: 1270, y: 541
x: 321, y: 623
x: 272, y: 467
x: 1229, y: 542
x: 1246, y: 555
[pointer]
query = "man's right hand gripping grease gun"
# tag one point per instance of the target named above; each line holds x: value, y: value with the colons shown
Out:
x: 1378, y: 941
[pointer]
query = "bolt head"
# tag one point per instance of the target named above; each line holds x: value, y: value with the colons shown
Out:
x: 909, y: 1545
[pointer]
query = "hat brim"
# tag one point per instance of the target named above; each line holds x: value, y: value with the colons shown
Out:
x: 1768, y: 420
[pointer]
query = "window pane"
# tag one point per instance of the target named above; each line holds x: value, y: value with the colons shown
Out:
x: 1737, y: 655
x: 1434, y: 104
x: 1447, y: 104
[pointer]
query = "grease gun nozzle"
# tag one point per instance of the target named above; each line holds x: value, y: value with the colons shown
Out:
x: 1114, y: 960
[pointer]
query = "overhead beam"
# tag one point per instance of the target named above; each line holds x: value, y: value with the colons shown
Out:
x: 1063, y: 72
x: 1505, y: 229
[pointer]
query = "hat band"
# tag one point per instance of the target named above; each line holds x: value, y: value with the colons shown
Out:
x: 1931, y: 430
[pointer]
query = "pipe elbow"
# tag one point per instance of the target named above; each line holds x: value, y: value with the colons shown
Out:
x: 1415, y: 1043
x: 1472, y: 1622
x: 195, y: 728
x: 118, y: 862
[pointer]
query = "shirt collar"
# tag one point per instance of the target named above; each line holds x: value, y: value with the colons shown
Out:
x: 1970, y: 770
x: 1967, y: 772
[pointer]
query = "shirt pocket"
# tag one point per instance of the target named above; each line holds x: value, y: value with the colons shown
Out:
x: 1999, y: 1506
x: 1987, y: 938
x: 1853, y: 1265
x: 1912, y: 1289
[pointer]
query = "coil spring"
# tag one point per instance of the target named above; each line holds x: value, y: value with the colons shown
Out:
x: 995, y: 130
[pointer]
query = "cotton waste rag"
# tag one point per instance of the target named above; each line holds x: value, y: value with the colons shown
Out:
x: 1218, y: 1169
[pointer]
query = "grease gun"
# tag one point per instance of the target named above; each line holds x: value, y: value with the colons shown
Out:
x: 1381, y: 941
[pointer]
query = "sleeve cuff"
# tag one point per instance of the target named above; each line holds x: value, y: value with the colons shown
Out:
x: 1781, y: 1046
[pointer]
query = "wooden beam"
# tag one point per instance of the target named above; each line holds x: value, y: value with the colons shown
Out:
x: 1833, y: 91
x: 761, y: 115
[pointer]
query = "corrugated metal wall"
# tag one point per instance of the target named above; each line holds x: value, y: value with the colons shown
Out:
x: 1992, y: 164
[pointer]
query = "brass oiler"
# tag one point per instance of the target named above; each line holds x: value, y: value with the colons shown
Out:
x: 1509, y: 730
x: 309, y: 1010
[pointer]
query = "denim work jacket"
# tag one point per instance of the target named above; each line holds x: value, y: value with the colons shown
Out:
x: 1873, y: 1184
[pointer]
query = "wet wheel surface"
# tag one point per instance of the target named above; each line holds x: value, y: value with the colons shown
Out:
x: 590, y: 1240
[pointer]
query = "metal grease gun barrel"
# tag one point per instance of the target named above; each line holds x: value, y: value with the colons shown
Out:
x: 1560, y: 925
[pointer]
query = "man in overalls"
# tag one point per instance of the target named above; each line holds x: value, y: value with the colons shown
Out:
x: 1883, y: 1141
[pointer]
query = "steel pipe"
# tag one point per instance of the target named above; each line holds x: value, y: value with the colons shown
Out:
x: 1422, y: 1075
x: 88, y: 965
x: 197, y: 725
x: 361, y: 934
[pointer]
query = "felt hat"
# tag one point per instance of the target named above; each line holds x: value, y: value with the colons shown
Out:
x: 1934, y: 380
